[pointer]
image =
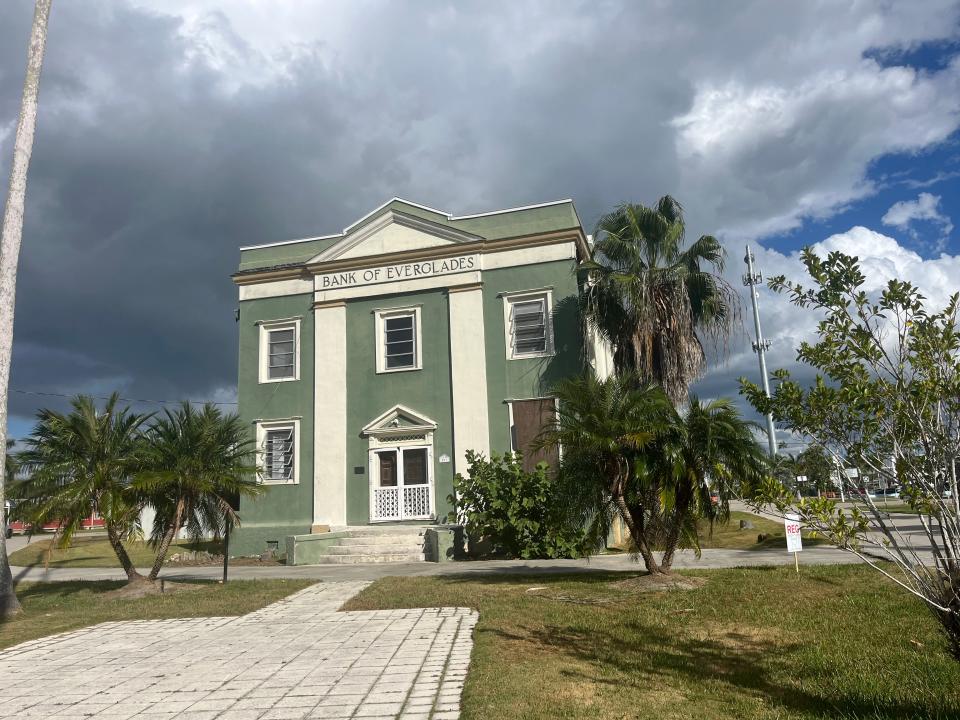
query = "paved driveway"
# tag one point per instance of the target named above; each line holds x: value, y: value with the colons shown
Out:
x: 297, y: 658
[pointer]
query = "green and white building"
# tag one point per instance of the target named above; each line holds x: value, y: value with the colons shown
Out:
x: 372, y: 360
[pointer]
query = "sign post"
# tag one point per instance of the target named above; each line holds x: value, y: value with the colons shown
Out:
x: 794, y: 544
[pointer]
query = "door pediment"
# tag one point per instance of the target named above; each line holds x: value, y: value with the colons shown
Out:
x: 398, y: 419
x: 394, y: 232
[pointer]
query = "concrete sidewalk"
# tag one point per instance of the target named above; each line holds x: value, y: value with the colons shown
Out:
x: 709, y: 559
x: 297, y: 658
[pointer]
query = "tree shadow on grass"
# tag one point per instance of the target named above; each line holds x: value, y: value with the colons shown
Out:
x: 651, y: 655
x: 41, y: 590
x: 523, y: 574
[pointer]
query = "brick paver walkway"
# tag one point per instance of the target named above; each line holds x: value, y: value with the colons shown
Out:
x: 297, y: 658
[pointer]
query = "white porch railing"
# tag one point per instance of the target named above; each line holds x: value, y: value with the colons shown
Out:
x: 417, y: 503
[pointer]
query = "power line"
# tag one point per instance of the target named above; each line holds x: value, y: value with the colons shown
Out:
x: 101, y: 397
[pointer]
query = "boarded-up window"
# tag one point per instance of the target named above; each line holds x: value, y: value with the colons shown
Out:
x: 529, y: 418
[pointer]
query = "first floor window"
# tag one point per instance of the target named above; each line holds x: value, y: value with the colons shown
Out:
x: 527, y: 319
x: 278, y: 451
x: 398, y: 340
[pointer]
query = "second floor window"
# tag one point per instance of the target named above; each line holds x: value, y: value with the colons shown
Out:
x: 398, y: 340
x: 280, y: 351
x: 528, y: 325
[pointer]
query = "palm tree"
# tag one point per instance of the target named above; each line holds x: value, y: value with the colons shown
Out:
x: 649, y: 297
x: 604, y: 428
x: 197, y: 460
x: 628, y: 453
x: 707, y: 455
x: 82, y: 463
x: 10, y: 237
x: 12, y: 464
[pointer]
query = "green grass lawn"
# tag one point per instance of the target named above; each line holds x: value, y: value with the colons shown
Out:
x: 833, y: 642
x: 50, y: 608
x: 95, y: 552
x: 730, y: 536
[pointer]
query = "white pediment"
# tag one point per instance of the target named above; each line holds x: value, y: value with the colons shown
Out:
x: 397, y: 419
x: 393, y: 232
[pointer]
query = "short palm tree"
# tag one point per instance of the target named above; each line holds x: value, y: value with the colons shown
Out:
x: 649, y: 297
x: 605, y: 428
x: 628, y: 453
x: 197, y: 463
x: 706, y: 456
x: 81, y: 463
x: 11, y: 465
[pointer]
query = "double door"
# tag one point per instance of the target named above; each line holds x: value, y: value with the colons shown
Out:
x: 402, y: 484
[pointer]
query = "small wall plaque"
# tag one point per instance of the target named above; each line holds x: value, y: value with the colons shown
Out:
x: 444, y: 458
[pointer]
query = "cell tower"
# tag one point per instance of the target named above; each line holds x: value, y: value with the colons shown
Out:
x: 760, y: 346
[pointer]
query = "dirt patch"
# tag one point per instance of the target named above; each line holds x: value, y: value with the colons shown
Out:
x: 659, y: 583
x: 144, y: 588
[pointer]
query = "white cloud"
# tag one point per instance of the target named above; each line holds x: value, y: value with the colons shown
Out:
x: 779, y: 153
x: 882, y: 259
x: 926, y: 207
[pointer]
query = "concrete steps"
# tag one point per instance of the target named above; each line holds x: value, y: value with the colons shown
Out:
x: 375, y: 544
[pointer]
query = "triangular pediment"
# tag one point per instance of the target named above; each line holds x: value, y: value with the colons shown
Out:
x: 396, y: 419
x: 393, y: 231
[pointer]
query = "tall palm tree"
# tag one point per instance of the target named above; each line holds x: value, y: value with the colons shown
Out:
x: 707, y: 455
x: 82, y: 463
x: 197, y: 462
x: 649, y: 297
x: 10, y: 237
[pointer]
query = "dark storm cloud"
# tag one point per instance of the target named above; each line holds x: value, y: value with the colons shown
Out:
x: 151, y: 168
x: 164, y: 144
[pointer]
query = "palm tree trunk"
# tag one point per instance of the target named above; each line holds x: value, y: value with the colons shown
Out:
x: 165, y: 543
x: 670, y: 547
x: 639, y: 541
x: 680, y: 511
x: 121, y: 552
x: 10, y: 256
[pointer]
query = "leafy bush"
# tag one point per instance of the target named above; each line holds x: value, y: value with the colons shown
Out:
x: 511, y: 508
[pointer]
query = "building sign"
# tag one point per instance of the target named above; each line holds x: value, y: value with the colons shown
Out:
x: 792, y: 525
x: 396, y: 273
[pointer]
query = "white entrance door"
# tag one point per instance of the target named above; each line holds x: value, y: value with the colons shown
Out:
x: 402, y: 487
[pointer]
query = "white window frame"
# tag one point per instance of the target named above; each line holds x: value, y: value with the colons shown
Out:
x: 385, y: 314
x: 263, y: 426
x: 265, y: 329
x: 509, y: 299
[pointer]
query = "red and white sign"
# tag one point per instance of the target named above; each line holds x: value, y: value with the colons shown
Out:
x: 792, y: 525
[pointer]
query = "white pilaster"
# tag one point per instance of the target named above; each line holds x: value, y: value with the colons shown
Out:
x: 330, y: 415
x: 468, y: 375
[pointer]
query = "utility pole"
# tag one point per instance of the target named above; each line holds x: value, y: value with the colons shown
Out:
x: 760, y: 346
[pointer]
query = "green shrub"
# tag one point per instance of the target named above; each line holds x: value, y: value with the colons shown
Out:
x: 515, y: 510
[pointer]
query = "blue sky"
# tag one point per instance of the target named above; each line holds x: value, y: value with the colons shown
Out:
x: 172, y: 132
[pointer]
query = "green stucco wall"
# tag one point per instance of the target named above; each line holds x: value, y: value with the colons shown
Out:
x: 425, y: 391
x: 534, y: 377
x: 287, y: 510
x: 284, y: 509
